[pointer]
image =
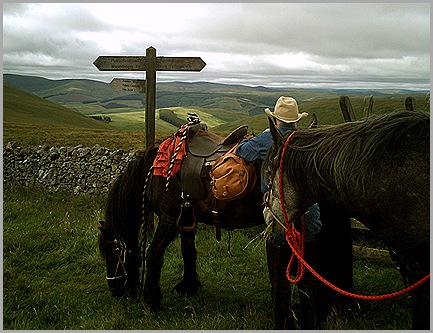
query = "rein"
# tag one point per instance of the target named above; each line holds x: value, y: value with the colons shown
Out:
x: 121, y: 251
x: 297, y: 244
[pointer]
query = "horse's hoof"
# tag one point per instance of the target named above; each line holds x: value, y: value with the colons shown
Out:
x: 152, y: 307
x: 155, y: 309
x: 153, y: 304
x: 188, y: 289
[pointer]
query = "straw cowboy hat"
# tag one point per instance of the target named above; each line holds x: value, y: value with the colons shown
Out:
x: 286, y: 110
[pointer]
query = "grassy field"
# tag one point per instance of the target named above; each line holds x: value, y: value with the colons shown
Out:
x: 54, y: 278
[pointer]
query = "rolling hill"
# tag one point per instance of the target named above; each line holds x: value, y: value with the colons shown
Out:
x: 25, y: 108
x: 40, y: 107
x: 91, y: 97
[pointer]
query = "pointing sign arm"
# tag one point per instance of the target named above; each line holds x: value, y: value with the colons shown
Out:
x: 193, y: 64
x: 138, y: 63
x: 128, y: 85
x: 120, y: 63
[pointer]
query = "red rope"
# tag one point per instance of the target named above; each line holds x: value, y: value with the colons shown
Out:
x: 294, y: 238
x: 296, y: 242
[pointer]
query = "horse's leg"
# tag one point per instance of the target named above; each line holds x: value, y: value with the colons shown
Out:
x: 278, y: 255
x: 165, y: 232
x: 414, y: 264
x: 190, y: 283
x: 308, y: 288
x: 421, y: 307
x: 334, y: 258
x: 421, y: 295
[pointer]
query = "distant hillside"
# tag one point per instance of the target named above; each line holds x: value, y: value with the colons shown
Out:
x: 25, y: 108
x: 89, y: 96
x: 222, y: 106
x: 31, y: 120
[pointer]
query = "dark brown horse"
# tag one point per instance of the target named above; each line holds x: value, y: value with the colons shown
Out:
x: 138, y: 193
x: 378, y: 170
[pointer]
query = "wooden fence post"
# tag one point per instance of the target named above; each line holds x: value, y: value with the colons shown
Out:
x: 410, y: 103
x: 346, y: 108
x: 368, y: 106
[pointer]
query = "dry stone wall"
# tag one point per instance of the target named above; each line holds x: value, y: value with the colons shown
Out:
x: 77, y: 169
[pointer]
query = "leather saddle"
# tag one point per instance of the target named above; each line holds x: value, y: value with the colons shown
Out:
x: 202, y: 151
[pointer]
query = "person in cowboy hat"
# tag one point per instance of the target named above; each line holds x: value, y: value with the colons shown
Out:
x: 285, y: 117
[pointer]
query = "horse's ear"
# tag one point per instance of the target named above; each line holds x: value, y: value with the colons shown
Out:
x: 313, y: 121
x: 276, y: 135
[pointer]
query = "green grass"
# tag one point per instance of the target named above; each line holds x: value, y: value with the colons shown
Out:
x: 27, y: 135
x: 54, y: 278
x: 22, y: 107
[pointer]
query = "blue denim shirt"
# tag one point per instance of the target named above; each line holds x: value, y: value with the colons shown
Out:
x: 257, y: 148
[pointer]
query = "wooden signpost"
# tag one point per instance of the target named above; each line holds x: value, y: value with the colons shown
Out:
x: 150, y: 64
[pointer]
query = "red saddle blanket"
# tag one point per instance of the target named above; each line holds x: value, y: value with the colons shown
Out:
x: 170, y: 146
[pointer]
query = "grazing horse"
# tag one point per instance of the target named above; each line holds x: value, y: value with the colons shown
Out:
x: 137, y: 194
x: 376, y: 169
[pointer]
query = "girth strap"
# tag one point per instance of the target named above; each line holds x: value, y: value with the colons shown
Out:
x: 186, y: 221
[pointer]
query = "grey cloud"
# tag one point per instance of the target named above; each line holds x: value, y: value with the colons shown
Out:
x: 341, y: 41
x: 321, y: 29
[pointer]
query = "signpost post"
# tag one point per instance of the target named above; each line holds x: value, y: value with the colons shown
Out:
x: 150, y: 64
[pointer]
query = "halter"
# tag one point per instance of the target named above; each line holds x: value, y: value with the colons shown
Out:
x: 121, y: 251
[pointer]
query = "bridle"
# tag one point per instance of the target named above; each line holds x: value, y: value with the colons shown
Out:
x: 286, y: 223
x: 294, y: 238
x: 120, y: 249
x: 266, y: 198
x: 121, y: 252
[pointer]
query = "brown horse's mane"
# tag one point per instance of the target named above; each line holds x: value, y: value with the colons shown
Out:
x: 335, y: 153
x: 123, y: 191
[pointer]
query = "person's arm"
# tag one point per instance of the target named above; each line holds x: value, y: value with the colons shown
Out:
x: 254, y: 148
x: 247, y: 150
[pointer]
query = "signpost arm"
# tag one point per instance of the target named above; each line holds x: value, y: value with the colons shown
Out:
x: 149, y: 118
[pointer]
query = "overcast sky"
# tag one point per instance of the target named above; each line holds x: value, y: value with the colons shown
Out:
x: 365, y: 45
